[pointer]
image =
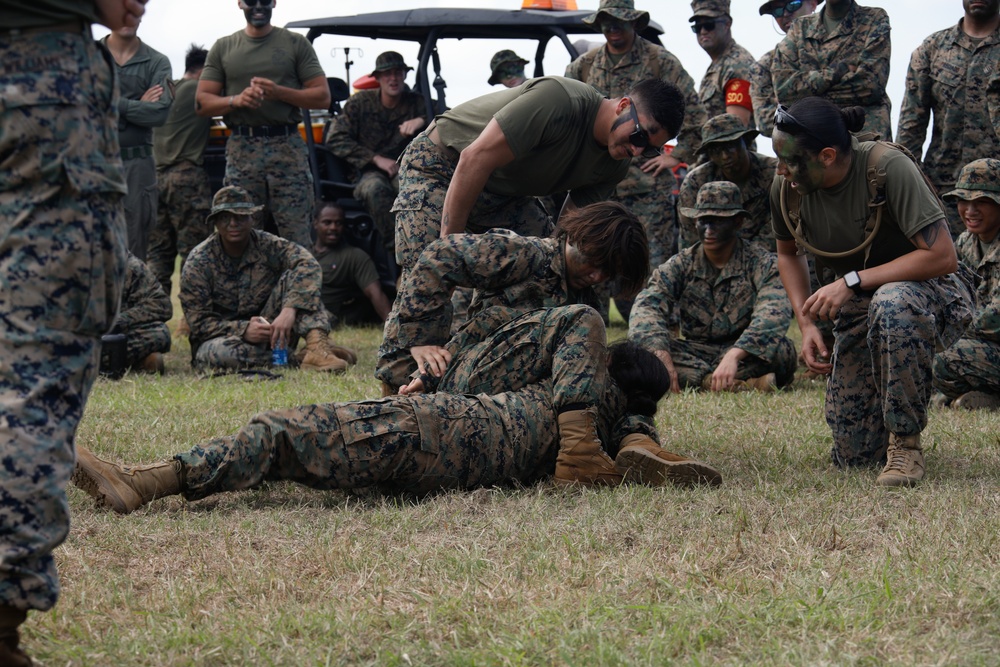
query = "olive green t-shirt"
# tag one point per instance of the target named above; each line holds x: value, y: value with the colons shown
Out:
x: 184, y: 135
x: 285, y: 57
x: 38, y: 13
x: 347, y: 271
x: 833, y: 219
x: 549, y: 126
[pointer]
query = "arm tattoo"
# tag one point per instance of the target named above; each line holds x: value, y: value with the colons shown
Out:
x: 930, y: 233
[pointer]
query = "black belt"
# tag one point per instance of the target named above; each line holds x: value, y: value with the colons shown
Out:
x: 265, y: 130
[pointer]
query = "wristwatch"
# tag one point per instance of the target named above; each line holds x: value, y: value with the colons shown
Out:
x: 853, y: 280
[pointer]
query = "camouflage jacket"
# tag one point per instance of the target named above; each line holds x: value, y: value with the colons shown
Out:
x: 366, y: 128
x: 765, y: 103
x: 143, y: 300
x: 985, y: 260
x: 949, y: 75
x: 806, y: 63
x: 511, y: 275
x: 735, y: 63
x: 742, y: 305
x: 645, y: 61
x: 220, y: 294
x: 756, y: 194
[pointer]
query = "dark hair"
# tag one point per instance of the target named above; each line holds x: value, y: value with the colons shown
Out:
x: 818, y: 123
x: 323, y: 204
x: 195, y: 58
x: 640, y: 375
x: 611, y: 237
x: 661, y: 100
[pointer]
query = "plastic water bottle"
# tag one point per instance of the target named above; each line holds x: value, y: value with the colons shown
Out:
x: 279, y: 356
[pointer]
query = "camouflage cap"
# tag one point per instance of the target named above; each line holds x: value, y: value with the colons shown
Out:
x: 232, y: 199
x: 390, y: 60
x: 712, y: 9
x: 979, y: 178
x: 502, y: 58
x: 769, y: 6
x: 718, y: 198
x: 623, y: 10
x: 725, y: 127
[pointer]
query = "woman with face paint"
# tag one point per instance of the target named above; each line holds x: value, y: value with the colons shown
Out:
x: 894, y: 301
x: 728, y: 299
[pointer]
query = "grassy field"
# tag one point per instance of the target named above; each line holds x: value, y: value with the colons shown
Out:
x: 790, y: 561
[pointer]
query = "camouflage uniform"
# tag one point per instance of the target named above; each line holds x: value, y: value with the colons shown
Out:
x: 973, y: 362
x: 809, y: 61
x: 185, y: 195
x: 364, y: 130
x: 735, y: 63
x: 136, y: 120
x: 511, y: 274
x: 650, y: 198
x: 742, y: 305
x: 765, y: 102
x: 62, y: 239
x: 220, y: 294
x: 949, y: 75
x: 144, y: 312
x: 757, y: 225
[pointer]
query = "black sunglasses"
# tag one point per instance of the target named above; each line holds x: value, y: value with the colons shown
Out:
x: 260, y: 3
x: 640, y: 137
x: 708, y: 26
x: 789, y: 8
x: 783, y: 117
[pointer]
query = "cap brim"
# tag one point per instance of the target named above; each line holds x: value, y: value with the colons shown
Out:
x: 969, y: 195
x: 241, y: 211
x: 750, y: 135
x: 767, y: 6
x: 689, y: 212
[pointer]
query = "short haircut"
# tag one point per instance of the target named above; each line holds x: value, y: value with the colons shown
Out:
x: 195, y: 58
x: 663, y: 101
x: 611, y: 237
x: 323, y: 204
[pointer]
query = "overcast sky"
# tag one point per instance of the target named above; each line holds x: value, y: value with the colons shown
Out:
x: 171, y: 25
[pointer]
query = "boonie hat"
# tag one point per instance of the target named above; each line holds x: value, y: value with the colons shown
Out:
x: 770, y: 5
x: 979, y: 178
x: 718, y: 198
x: 623, y: 10
x: 712, y: 9
x: 722, y: 128
x: 233, y: 199
x: 390, y: 60
x: 502, y: 58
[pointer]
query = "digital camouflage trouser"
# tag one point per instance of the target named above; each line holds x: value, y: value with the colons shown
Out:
x: 696, y: 360
x: 185, y: 199
x: 971, y: 364
x: 145, y: 339
x: 376, y: 192
x: 62, y: 268
x: 882, y: 355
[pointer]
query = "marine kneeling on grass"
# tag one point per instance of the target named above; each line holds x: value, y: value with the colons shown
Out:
x: 246, y: 292
x: 418, y: 443
x: 728, y: 299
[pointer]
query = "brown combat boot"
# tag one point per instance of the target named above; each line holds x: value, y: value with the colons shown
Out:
x: 642, y: 461
x: 319, y: 356
x: 345, y: 353
x: 905, y: 461
x: 977, y: 400
x: 764, y: 384
x: 581, y: 458
x: 11, y: 654
x: 124, y: 489
x: 183, y: 329
x: 152, y: 364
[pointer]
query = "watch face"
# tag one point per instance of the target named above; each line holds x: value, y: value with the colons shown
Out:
x: 853, y: 280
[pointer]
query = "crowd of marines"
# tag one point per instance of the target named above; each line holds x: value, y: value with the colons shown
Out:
x: 515, y: 218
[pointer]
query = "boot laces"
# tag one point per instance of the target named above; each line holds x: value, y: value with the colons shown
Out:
x: 899, y: 460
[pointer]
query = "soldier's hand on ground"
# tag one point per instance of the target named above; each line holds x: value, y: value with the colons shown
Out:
x: 410, y: 127
x: 660, y: 163
x: 120, y: 13
x: 431, y: 359
x: 825, y: 303
x: 814, y: 351
x: 153, y: 94
x: 258, y: 331
x: 387, y: 165
x: 725, y: 373
x: 668, y: 363
x: 281, y: 328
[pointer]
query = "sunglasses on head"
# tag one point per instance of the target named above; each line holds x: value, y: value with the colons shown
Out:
x: 707, y: 26
x: 783, y: 117
x: 640, y: 137
x: 789, y: 8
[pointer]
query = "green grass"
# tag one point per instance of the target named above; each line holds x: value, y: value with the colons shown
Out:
x: 790, y: 561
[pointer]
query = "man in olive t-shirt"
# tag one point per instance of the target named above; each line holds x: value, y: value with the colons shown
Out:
x: 257, y: 79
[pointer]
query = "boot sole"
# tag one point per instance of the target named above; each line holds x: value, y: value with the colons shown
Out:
x: 639, y: 466
x: 95, y: 485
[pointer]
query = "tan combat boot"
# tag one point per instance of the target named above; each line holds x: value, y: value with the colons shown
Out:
x: 319, y: 356
x: 183, y: 329
x: 11, y: 654
x: 581, y: 458
x: 152, y: 364
x: 642, y: 461
x: 124, y: 489
x: 977, y: 400
x: 905, y: 461
x: 764, y: 384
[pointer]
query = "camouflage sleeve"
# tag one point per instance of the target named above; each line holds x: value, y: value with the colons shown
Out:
x: 689, y: 138
x: 686, y: 198
x: 196, y: 300
x: 762, y: 94
x: 866, y: 85
x: 342, y: 140
x: 915, y: 111
x: 143, y: 301
x: 150, y: 114
x: 305, y: 274
x: 791, y: 79
x: 481, y: 261
x: 653, y: 310
x: 575, y: 69
x: 772, y: 312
